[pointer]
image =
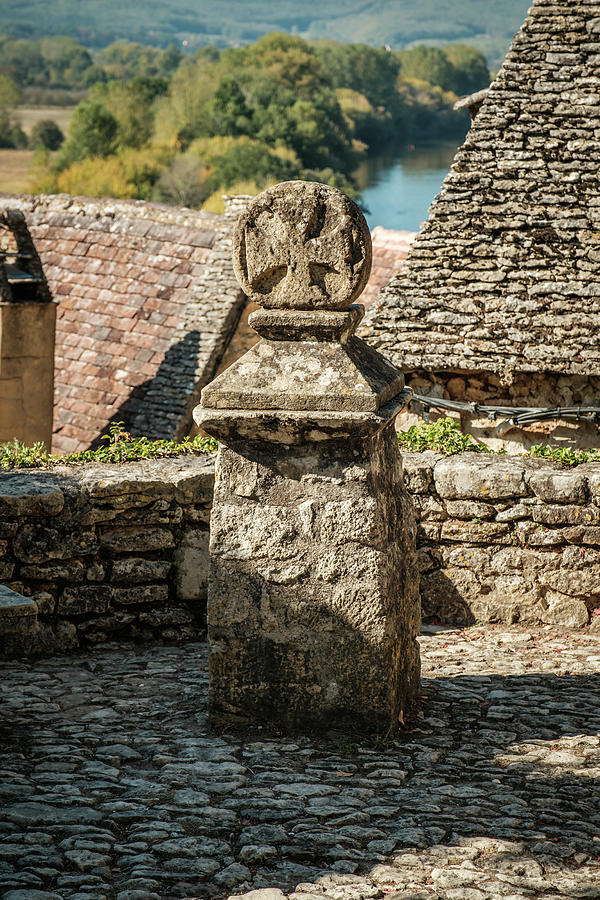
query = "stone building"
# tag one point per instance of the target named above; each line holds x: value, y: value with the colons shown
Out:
x: 147, y: 304
x: 500, y: 302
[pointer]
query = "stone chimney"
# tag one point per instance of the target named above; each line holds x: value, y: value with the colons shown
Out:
x: 27, y: 329
x: 313, y: 599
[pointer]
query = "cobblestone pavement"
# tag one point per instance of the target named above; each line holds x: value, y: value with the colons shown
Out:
x: 113, y: 786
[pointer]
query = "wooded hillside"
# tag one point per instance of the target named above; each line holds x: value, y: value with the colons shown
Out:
x: 485, y: 23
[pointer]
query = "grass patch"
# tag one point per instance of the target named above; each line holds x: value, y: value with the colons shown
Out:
x: 118, y: 447
x: 564, y: 455
x: 443, y: 436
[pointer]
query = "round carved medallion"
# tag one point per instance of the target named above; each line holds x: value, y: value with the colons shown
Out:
x: 302, y: 245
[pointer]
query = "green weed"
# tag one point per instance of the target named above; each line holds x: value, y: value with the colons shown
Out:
x: 443, y: 436
x: 118, y: 446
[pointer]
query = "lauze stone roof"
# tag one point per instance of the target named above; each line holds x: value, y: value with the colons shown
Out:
x: 146, y: 304
x: 505, y: 275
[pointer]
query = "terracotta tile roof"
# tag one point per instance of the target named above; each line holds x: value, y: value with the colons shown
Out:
x: 390, y: 249
x: 137, y: 328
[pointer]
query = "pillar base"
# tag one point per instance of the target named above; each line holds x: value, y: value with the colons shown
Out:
x: 313, y: 601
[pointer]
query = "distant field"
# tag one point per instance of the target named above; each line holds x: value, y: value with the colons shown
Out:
x: 14, y: 164
x: 14, y: 171
x: 31, y: 115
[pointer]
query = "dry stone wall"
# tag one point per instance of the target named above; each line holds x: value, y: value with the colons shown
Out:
x: 122, y: 551
x: 507, y: 539
x: 107, y: 551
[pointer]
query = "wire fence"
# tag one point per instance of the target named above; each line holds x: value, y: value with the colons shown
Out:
x: 512, y: 416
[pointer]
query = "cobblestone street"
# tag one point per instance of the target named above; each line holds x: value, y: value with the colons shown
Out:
x: 113, y: 785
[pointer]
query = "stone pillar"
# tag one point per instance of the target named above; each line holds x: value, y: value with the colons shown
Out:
x: 313, y: 605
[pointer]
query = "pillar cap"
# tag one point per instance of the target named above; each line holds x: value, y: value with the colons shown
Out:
x: 302, y: 251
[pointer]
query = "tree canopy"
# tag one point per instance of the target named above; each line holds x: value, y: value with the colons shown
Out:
x: 279, y: 108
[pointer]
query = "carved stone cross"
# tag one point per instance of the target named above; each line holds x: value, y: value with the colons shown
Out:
x: 313, y: 598
x: 302, y: 246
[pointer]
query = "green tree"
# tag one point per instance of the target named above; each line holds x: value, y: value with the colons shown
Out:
x: 248, y: 160
x: 53, y: 62
x: 11, y: 134
x: 368, y: 71
x: 428, y: 64
x: 46, y: 134
x: 182, y: 183
x: 126, y: 60
x: 92, y: 132
x: 131, y: 103
x: 470, y: 66
x: 22, y: 61
x: 293, y: 100
x: 229, y: 112
x: 65, y: 61
x: 185, y: 113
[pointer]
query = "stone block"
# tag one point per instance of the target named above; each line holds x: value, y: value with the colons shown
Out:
x: 159, y: 618
x: 479, y: 476
x: 565, y: 610
x: 559, y: 487
x: 584, y: 583
x: 289, y: 608
x: 120, y: 484
x: 533, y: 534
x: 69, y: 570
x: 146, y: 593
x: 469, y: 509
x: 134, y: 570
x: 38, y: 544
x: 6, y: 570
x: 17, y: 613
x: 25, y: 495
x: 45, y: 639
x: 45, y: 602
x: 192, y: 562
x: 476, y: 532
x: 131, y: 539
x: 85, y: 599
x: 418, y: 471
x: 566, y: 515
x: 579, y: 534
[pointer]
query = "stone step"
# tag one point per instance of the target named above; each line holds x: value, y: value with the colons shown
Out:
x: 18, y: 614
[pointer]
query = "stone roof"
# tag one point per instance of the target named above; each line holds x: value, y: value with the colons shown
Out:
x: 147, y: 302
x: 505, y: 275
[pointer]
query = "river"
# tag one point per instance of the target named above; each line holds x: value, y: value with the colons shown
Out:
x: 397, y: 187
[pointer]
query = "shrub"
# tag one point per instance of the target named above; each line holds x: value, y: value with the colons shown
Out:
x: 46, y: 134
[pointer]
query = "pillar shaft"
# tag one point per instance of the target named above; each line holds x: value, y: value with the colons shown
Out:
x: 313, y: 604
